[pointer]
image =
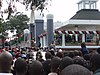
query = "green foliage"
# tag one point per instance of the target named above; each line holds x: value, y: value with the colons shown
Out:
x: 2, y: 27
x: 11, y: 5
x: 18, y: 22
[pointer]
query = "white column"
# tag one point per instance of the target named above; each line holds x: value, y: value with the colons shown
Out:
x: 83, y: 37
x: 84, y: 5
x: 63, y: 39
x: 41, y: 42
x: 89, y: 5
x: 97, y: 36
x: 32, y: 19
x: 76, y: 37
x: 95, y: 5
x: 44, y: 41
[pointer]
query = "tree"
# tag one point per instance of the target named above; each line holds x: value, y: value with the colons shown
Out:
x: 38, y: 4
x: 3, y: 32
x: 18, y: 22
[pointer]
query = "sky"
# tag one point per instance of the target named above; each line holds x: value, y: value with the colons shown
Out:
x: 62, y: 10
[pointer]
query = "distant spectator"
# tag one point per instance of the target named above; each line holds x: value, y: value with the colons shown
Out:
x: 95, y: 64
x: 39, y: 44
x: 60, y: 54
x: 38, y: 55
x: 52, y: 46
x: 6, y: 61
x: 75, y: 70
x: 48, y: 55
x: 52, y: 52
x: 77, y: 53
x: 46, y: 63
x: 84, y: 50
x: 36, y: 68
x: 87, y: 58
x: 71, y: 54
x: 97, y: 41
x: 20, y: 66
x: 98, y: 50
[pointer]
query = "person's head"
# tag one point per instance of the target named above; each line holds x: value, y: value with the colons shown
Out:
x: 95, y: 62
x: 55, y: 62
x: 98, y: 50
x: 20, y: 66
x: 83, y: 44
x: 71, y: 54
x: 75, y: 70
x: 38, y: 55
x: 66, y: 61
x: 79, y: 60
x: 6, y: 61
x: 77, y: 53
x: 46, y: 66
x: 35, y: 68
x: 48, y: 55
x: 59, y: 54
x: 87, y: 57
x: 52, y: 52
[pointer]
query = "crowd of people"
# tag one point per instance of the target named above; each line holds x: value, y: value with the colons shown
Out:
x: 21, y: 61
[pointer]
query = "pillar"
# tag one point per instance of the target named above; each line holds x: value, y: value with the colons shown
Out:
x: 63, y: 39
x: 44, y: 41
x: 32, y: 30
x: 76, y: 37
x: 39, y: 29
x: 39, y: 26
x: 41, y: 41
x: 50, y: 36
x: 32, y: 26
x: 27, y: 38
x: 83, y: 37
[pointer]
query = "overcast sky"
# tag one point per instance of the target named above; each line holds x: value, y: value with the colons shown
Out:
x: 63, y: 9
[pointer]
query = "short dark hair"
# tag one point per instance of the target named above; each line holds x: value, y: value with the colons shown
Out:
x: 46, y: 66
x: 66, y: 61
x: 20, y: 66
x: 48, y: 55
x: 55, y: 62
x: 79, y: 60
x: 59, y: 54
x: 35, y: 68
x: 75, y: 69
x: 95, y: 60
x: 83, y: 44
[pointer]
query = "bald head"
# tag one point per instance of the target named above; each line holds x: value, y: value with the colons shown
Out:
x: 5, y: 61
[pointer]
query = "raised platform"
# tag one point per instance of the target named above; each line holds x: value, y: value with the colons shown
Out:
x: 91, y: 48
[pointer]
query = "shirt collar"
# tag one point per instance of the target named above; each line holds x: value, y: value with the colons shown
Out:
x: 6, y: 74
x: 98, y: 70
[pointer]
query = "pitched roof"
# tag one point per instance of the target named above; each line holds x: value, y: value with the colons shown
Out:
x: 87, y: 14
